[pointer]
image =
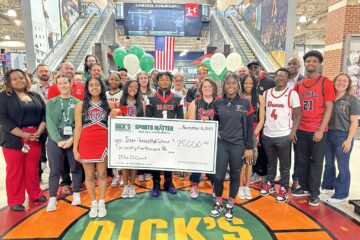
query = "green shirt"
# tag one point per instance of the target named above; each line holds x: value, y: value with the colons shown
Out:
x: 55, y: 119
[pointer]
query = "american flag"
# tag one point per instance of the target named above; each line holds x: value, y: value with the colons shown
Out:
x: 164, y: 53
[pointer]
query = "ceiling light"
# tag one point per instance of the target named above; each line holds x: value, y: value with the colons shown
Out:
x: 11, y: 13
x: 315, y: 20
x: 7, y: 37
x: 298, y: 27
x: 302, y: 19
x: 17, y: 22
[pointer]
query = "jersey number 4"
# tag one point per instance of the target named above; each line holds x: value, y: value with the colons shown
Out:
x: 308, y: 105
x: 273, y: 114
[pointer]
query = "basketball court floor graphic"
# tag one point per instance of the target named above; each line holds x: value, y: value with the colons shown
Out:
x: 179, y: 217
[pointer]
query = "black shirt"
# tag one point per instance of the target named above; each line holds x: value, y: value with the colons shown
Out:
x: 235, y: 120
x: 264, y: 83
x: 204, y: 109
x: 160, y: 101
x: 29, y: 118
x: 191, y: 94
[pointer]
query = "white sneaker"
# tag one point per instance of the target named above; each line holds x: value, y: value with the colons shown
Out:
x: 121, y: 181
x: 76, y: 199
x: 131, y: 191
x: 335, y: 200
x: 102, y: 210
x: 125, y: 193
x: 325, y: 191
x: 194, y: 193
x: 241, y: 193
x: 93, y: 211
x: 51, y: 204
x: 115, y: 181
x: 141, y: 178
x: 43, y: 165
x: 147, y: 176
x: 248, y: 194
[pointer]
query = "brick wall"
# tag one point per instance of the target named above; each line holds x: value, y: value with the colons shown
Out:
x: 333, y: 61
x: 335, y: 26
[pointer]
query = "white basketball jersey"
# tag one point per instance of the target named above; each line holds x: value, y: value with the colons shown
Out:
x: 278, y: 111
x: 115, y: 98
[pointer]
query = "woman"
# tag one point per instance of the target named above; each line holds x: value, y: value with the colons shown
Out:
x: 131, y: 99
x: 91, y: 140
x: 340, y: 139
x: 179, y: 85
x: 143, y: 79
x: 89, y: 61
x: 235, y: 139
x: 22, y: 117
x: 60, y: 125
x: 202, y: 108
x: 153, y: 79
x: 248, y: 86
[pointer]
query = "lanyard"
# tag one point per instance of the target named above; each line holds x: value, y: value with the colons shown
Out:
x: 66, y: 116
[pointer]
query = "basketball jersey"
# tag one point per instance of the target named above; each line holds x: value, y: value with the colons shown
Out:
x: 115, y: 98
x: 278, y: 111
x: 312, y: 104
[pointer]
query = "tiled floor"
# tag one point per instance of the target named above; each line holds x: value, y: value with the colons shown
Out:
x: 347, y: 208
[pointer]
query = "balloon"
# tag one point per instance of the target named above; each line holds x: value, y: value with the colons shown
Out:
x: 137, y: 50
x: 233, y: 61
x: 119, y: 55
x: 206, y: 62
x: 132, y: 64
x: 218, y: 62
x: 222, y: 74
x: 147, y: 62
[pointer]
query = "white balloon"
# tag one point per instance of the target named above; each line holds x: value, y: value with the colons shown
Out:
x: 233, y: 61
x: 132, y: 64
x: 217, y: 63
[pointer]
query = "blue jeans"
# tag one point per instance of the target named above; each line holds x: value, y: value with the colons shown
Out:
x: 334, y: 150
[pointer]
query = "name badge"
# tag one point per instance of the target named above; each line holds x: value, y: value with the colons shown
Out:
x: 68, y: 131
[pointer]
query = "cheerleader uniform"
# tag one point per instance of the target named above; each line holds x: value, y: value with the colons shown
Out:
x: 94, y: 136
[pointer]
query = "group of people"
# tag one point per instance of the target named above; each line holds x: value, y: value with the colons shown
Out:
x: 260, y: 120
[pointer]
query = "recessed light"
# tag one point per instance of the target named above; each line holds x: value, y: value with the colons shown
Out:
x: 11, y: 13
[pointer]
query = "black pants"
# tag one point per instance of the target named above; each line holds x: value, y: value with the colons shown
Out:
x: 260, y: 167
x: 156, y: 176
x: 65, y: 172
x: 278, y: 148
x: 228, y: 154
x: 195, y: 177
x: 310, y: 158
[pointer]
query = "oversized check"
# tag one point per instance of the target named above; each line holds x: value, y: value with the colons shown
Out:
x: 163, y: 144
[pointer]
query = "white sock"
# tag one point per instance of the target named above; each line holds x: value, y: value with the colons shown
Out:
x: 102, y: 201
x: 93, y: 203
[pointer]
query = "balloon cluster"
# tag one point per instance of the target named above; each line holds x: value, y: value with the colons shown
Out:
x: 133, y: 59
x: 218, y: 64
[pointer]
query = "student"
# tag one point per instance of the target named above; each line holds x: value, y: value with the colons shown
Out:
x: 202, y: 108
x: 131, y: 99
x: 91, y: 141
x: 235, y: 139
x: 340, y: 139
x: 164, y: 104
x: 60, y: 125
x: 202, y: 73
x: 317, y: 98
x: 248, y: 87
x: 283, y: 115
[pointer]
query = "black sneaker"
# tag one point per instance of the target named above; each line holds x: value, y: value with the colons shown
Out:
x: 216, y: 210
x: 300, y: 193
x: 42, y: 199
x: 17, y: 208
x: 229, y: 213
x: 314, y: 201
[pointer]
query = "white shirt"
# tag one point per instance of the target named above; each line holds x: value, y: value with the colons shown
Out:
x: 41, y: 90
x: 291, y: 83
x: 115, y: 97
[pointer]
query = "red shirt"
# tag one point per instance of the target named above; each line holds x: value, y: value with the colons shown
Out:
x: 313, y: 94
x: 77, y: 90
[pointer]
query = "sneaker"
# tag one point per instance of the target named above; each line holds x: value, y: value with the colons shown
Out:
x: 147, y: 176
x: 314, y: 201
x: 101, y: 210
x: 241, y: 193
x: 51, y: 204
x: 41, y: 199
x: 76, y: 199
x: 295, y: 185
x: 277, y: 180
x: 248, y: 194
x: 194, y: 193
x: 255, y: 178
x: 229, y: 213
x: 125, y: 193
x: 282, y: 196
x: 93, y: 213
x: 115, y: 181
x: 155, y: 192
x: 17, y: 208
x: 216, y: 210
x: 169, y: 187
x: 267, y: 189
x: 325, y: 191
x: 121, y: 182
x: 66, y: 190
x: 141, y: 178
x: 335, y: 200
x: 182, y: 176
x: 131, y: 191
x: 43, y: 166
x: 300, y: 193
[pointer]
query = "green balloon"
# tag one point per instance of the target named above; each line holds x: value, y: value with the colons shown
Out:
x: 222, y: 74
x: 119, y: 55
x: 147, y: 62
x: 137, y: 50
x: 206, y: 62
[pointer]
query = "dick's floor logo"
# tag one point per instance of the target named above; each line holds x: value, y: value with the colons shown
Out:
x: 122, y: 127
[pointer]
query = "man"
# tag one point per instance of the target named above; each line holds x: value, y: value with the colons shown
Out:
x: 317, y: 98
x: 263, y: 82
x: 283, y: 115
x: 202, y: 72
x: 123, y: 75
x: 242, y: 71
x: 293, y: 65
x: 96, y: 71
x: 164, y: 104
x: 77, y: 88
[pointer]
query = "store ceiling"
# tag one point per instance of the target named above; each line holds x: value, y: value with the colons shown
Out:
x: 11, y: 26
